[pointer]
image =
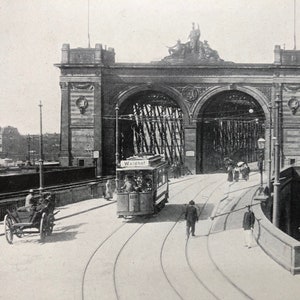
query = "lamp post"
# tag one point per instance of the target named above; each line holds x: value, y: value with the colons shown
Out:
x: 28, y: 147
x: 276, y: 197
x: 41, y: 152
x: 270, y: 147
x: 261, y: 147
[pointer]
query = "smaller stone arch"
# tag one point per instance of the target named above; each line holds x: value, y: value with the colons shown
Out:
x: 252, y: 91
x: 152, y: 120
x: 225, y: 128
x: 169, y: 91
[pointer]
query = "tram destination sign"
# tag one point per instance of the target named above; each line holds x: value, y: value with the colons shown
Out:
x: 135, y: 163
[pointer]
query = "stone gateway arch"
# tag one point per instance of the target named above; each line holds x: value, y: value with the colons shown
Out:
x: 192, y: 107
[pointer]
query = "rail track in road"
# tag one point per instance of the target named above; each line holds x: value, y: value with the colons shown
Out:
x: 227, y: 284
x: 95, y: 255
x: 228, y: 213
x: 118, y: 272
x: 164, y: 242
x: 122, y: 241
x: 125, y: 242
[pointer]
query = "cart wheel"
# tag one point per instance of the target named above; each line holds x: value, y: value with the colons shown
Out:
x: 8, y: 229
x: 50, y: 223
x: 43, y: 226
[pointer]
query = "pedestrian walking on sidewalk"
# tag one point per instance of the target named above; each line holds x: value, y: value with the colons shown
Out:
x: 248, y: 223
x: 230, y: 173
x: 108, y: 190
x: 236, y: 174
x: 191, y: 218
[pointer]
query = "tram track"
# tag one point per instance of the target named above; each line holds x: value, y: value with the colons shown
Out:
x: 88, y: 233
x: 92, y: 256
x: 127, y: 241
x: 173, y: 194
x: 226, y: 217
x: 210, y: 291
x: 223, y: 276
x: 242, y: 292
x: 163, y: 243
x: 167, y: 236
x: 122, y: 247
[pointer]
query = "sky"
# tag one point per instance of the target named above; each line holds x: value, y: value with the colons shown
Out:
x: 32, y: 33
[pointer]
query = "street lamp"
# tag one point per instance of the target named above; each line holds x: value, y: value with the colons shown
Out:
x: 261, y: 148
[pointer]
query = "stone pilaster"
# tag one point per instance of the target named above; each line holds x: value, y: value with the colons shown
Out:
x: 98, y: 53
x: 277, y: 55
x: 98, y: 126
x: 190, y: 133
x: 65, y: 147
x: 65, y: 53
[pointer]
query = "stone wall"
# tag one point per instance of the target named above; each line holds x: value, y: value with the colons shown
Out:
x: 279, y: 246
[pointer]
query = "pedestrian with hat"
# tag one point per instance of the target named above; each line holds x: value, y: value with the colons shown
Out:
x: 248, y: 223
x: 191, y: 218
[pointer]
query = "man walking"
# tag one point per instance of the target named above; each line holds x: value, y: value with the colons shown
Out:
x: 248, y: 223
x: 191, y: 217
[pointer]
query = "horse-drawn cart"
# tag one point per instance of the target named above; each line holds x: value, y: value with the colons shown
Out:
x: 40, y: 216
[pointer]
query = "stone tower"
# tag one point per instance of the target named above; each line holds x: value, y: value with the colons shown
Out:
x: 81, y: 102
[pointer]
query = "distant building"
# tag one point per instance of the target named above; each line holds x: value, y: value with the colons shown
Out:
x: 19, y: 147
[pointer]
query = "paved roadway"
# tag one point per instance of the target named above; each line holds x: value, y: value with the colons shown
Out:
x: 92, y: 254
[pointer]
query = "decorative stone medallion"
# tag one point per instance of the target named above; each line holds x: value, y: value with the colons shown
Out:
x: 293, y: 104
x: 190, y: 93
x: 82, y: 104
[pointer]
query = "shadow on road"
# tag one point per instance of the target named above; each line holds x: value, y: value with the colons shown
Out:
x: 173, y: 213
x: 84, y: 211
x: 62, y: 234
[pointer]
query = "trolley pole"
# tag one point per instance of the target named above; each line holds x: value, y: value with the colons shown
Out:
x: 117, y: 141
x: 28, y: 147
x: 41, y: 152
x: 276, y: 198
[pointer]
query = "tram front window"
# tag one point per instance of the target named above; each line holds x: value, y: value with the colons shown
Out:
x: 137, y: 181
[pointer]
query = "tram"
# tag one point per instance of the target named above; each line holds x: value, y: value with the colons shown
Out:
x: 142, y: 185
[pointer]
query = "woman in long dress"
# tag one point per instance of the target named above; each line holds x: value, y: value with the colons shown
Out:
x: 230, y: 173
x: 108, y: 190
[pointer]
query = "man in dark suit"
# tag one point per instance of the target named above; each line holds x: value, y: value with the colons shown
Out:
x: 248, y: 223
x: 191, y: 217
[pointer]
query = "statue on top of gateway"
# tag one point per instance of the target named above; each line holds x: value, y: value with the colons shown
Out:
x: 193, y: 51
x: 194, y: 38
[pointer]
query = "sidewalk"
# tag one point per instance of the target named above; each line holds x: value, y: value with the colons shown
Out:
x: 249, y: 269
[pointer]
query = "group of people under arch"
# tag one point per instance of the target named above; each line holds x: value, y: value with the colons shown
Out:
x: 235, y: 171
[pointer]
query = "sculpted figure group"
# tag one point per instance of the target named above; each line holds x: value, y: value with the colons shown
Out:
x: 194, y: 48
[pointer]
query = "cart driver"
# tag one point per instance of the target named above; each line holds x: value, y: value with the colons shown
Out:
x: 29, y: 198
x: 29, y: 202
